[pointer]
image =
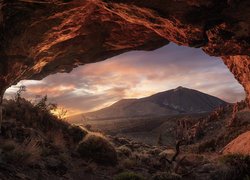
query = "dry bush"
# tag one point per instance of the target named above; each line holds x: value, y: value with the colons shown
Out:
x: 128, y: 176
x: 57, y: 138
x: 128, y: 163
x: 32, y: 147
x: 206, y: 146
x: 124, y: 151
x: 33, y: 116
x: 95, y: 146
x: 160, y: 140
x: 166, y: 176
x: 77, y: 132
x: 28, y: 152
x: 143, y: 158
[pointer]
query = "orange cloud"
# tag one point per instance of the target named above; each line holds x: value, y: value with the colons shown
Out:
x: 135, y: 75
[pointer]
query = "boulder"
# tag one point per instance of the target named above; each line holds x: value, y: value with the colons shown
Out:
x: 240, y: 145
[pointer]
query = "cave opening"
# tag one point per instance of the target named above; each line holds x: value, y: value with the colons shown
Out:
x: 165, y: 112
x: 133, y: 76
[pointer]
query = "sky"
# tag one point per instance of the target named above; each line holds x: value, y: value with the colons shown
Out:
x: 134, y: 74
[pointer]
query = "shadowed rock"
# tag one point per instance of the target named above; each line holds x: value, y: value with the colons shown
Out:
x: 39, y: 38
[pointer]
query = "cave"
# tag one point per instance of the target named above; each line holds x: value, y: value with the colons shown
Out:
x: 45, y: 37
x: 42, y: 38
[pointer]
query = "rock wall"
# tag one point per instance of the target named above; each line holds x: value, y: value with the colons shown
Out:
x: 240, y: 67
x: 43, y: 37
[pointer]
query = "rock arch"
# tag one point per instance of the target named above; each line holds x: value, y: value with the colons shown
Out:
x: 42, y: 37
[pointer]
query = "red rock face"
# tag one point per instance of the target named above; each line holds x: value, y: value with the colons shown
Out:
x: 39, y: 38
x: 240, y: 145
x: 240, y: 67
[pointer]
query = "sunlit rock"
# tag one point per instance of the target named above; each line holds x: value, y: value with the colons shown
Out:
x: 39, y: 38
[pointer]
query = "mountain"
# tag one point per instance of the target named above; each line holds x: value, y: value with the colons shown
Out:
x: 172, y: 102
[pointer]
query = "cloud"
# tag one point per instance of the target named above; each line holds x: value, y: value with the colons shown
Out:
x: 133, y: 75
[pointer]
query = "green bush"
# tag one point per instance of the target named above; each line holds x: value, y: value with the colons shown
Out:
x: 128, y: 176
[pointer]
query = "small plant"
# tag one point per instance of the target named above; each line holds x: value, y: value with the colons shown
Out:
x: 44, y: 105
x: 59, y: 112
x: 166, y: 175
x: 124, y: 151
x: 159, y: 141
x: 18, y: 94
x: 129, y: 162
x: 128, y: 176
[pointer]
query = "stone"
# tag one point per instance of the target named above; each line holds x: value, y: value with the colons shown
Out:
x: 240, y: 145
x: 39, y: 38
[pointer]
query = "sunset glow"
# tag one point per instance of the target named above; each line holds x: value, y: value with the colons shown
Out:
x: 134, y: 75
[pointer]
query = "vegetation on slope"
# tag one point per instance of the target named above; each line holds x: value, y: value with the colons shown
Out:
x: 35, y: 144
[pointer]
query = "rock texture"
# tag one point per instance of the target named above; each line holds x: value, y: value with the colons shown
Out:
x: 240, y: 145
x: 240, y: 67
x: 43, y: 37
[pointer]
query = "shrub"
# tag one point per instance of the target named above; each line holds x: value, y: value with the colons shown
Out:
x: 159, y: 140
x: 46, y: 106
x: 77, y: 132
x: 238, y: 166
x: 207, y: 146
x: 128, y: 176
x: 129, y: 163
x: 124, y: 151
x: 57, y: 138
x: 32, y: 116
x: 166, y: 176
x: 28, y: 152
x: 98, y: 148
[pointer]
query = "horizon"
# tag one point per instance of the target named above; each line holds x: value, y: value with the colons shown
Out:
x: 135, y: 74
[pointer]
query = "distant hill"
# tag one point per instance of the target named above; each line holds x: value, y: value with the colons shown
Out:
x: 172, y: 102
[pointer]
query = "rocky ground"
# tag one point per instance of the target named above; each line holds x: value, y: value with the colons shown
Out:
x: 34, y: 144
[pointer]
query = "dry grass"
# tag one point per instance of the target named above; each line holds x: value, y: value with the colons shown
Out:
x: 28, y: 152
x: 77, y: 133
x: 124, y: 151
x: 97, y: 147
x: 128, y: 176
x: 32, y: 116
x: 57, y: 138
x: 128, y: 163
